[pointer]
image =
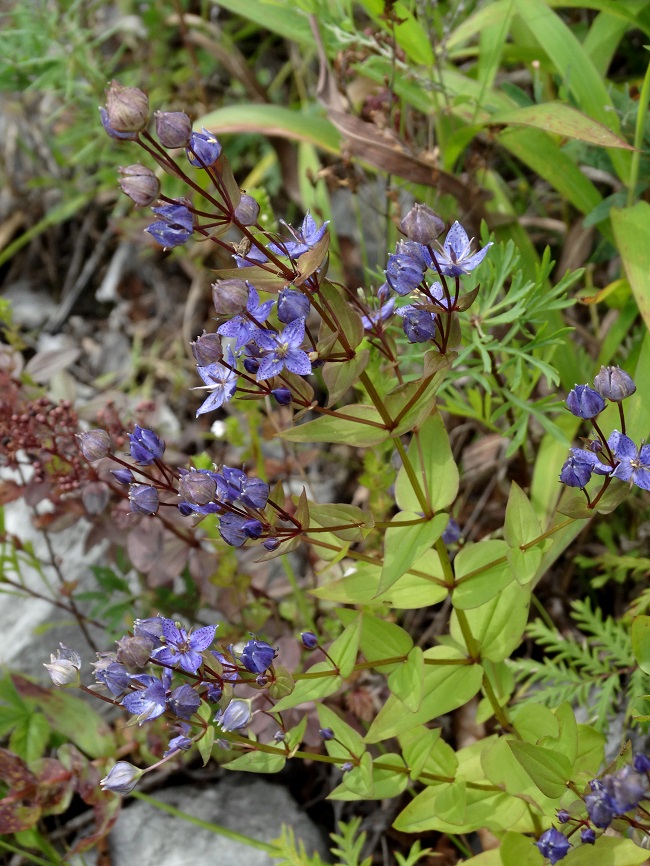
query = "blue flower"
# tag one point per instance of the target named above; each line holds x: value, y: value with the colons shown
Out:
x: 183, y: 649
x: 220, y: 380
x: 184, y: 701
x: 406, y: 267
x: 147, y: 703
x: 175, y: 228
x: 254, y: 256
x: 181, y: 741
x: 146, y: 447
x: 377, y: 317
x: 577, y: 470
x: 456, y: 257
x: 292, y: 305
x: 257, y: 656
x: 241, y: 327
x: 283, y: 351
x: 236, y: 715
x: 235, y: 529
x: 634, y: 463
x: 553, y: 844
x: 303, y: 240
x: 143, y: 499
x: 600, y: 806
x: 419, y: 325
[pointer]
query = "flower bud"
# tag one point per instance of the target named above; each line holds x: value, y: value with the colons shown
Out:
x: 292, y: 305
x: 95, y: 497
x: 327, y: 733
x: 143, y: 499
x: 146, y: 447
x: 113, y: 133
x: 229, y: 297
x: 203, y: 149
x: 247, y: 211
x: 422, y: 225
x: 207, y: 349
x: 563, y: 816
x: 641, y: 763
x: 127, y: 108
x: 584, y: 402
x: 309, y: 640
x: 197, y: 487
x: 64, y: 667
x: 347, y: 766
x: 94, y: 444
x: 257, y: 656
x: 282, y: 395
x: 588, y: 836
x: 173, y: 128
x: 123, y: 476
x: 271, y: 543
x: 236, y: 715
x: 279, y: 736
x: 614, y: 384
x: 140, y: 184
x: 134, y: 651
x: 122, y: 779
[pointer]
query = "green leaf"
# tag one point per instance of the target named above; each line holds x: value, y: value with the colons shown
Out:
x: 424, y: 751
x: 430, y: 455
x: 445, y: 688
x: 478, y: 580
x: 608, y: 851
x: 410, y: 592
x: 403, y: 545
x: 343, y: 652
x: 524, y: 563
x: 332, y: 515
x: 30, y: 736
x: 549, y: 770
x: 641, y: 642
x: 381, y: 639
x: 451, y: 802
x: 591, y: 751
x: 310, y: 689
x: 362, y: 426
x: 345, y: 319
x: 521, y: 524
x: 348, y: 741
x: 534, y: 721
x: 561, y: 119
x: 205, y: 744
x: 269, y: 16
x: 406, y: 680
x: 384, y: 784
x: 282, y: 684
x: 518, y: 850
x: 257, y: 762
x: 483, y: 810
x: 631, y: 227
x: 70, y: 716
x: 503, y: 769
x: 409, y: 34
x: 497, y: 625
x: 340, y: 375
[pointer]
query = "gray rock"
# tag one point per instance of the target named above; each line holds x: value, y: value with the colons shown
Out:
x: 243, y: 803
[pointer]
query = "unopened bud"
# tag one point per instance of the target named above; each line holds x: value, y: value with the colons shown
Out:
x: 143, y: 499
x: 247, y: 211
x: 127, y: 108
x: 173, y: 128
x: 197, y: 487
x: 229, y: 297
x: 134, y: 650
x: 94, y: 444
x: 207, y: 349
x: 309, y: 640
x: 140, y: 184
x: 282, y: 395
x: 614, y: 384
x: 422, y: 225
x: 122, y: 779
x: 64, y: 667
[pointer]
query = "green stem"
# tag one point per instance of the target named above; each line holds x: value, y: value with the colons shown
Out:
x: 377, y: 401
x: 638, y: 137
x: 26, y: 855
x: 217, y: 829
x: 413, y: 478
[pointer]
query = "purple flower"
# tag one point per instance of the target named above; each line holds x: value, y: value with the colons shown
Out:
x: 257, y: 656
x: 292, y: 305
x: 626, y: 788
x: 438, y: 294
x: 254, y: 256
x: 309, y: 640
x: 143, y: 499
x: 150, y: 628
x: 552, y: 843
x: 327, y: 733
x: 584, y: 402
x: 282, y: 395
x: 303, y: 240
x: 452, y: 532
x: 203, y: 149
x: 184, y: 701
x: 123, y: 476
x: 175, y: 228
x: 235, y: 529
x: 113, y: 133
x: 183, y: 649
x: 146, y: 447
x: 406, y: 267
x: 122, y: 779
x: 588, y: 836
x: 228, y: 670
x: 600, y: 806
x: 111, y: 674
x: 577, y: 470
x: 283, y: 351
x: 456, y: 257
x: 378, y: 317
x: 236, y: 715
x: 147, y: 703
x: 241, y: 328
x: 634, y: 463
x: 419, y: 325
x: 181, y: 741
x: 220, y: 380
x: 641, y: 763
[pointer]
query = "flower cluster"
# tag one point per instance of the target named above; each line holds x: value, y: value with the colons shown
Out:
x: 164, y: 669
x: 615, y: 457
x: 613, y: 796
